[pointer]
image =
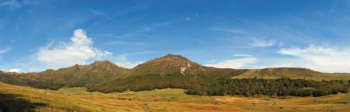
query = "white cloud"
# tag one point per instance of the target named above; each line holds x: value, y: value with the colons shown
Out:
x: 321, y: 58
x: 101, y: 14
x: 242, y: 55
x: 4, y: 51
x: 127, y: 64
x: 234, y: 63
x: 250, y: 36
x: 237, y: 31
x: 78, y: 51
x: 262, y: 43
x: 126, y: 43
x: 96, y: 12
x: 153, y: 27
x: 123, y: 61
x: 11, y: 4
x: 15, y: 70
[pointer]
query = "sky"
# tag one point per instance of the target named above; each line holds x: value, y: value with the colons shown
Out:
x: 36, y: 35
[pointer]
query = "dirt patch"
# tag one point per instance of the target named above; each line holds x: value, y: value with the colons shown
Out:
x: 240, y: 100
x: 215, y: 108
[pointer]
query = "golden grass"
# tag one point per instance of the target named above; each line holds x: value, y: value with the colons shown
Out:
x: 307, y: 75
x: 167, y: 100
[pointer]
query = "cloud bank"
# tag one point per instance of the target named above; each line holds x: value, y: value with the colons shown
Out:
x: 321, y: 58
x: 262, y: 43
x: 11, y: 4
x: 234, y: 63
x: 122, y: 60
x: 15, y: 70
x: 2, y: 51
x: 78, y: 51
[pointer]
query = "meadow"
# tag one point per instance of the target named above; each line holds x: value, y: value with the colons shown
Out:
x: 19, y: 98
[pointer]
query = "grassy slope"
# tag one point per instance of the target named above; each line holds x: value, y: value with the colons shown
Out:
x: 343, y: 100
x: 105, y: 76
x: 81, y: 75
x: 294, y: 73
x: 55, y: 100
x: 172, y: 100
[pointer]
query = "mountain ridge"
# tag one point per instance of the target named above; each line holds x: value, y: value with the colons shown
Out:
x: 168, y: 57
x: 169, y: 71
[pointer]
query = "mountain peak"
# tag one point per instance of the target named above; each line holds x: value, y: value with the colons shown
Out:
x: 103, y: 63
x: 167, y: 64
x: 174, y: 57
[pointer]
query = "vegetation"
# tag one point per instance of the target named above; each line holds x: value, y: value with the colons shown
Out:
x: 270, y: 87
x: 214, y: 85
x: 174, y: 71
x: 19, y: 80
x: 293, y: 73
x: 20, y: 98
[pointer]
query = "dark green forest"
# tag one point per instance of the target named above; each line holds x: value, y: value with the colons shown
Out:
x: 214, y: 85
x: 211, y: 85
x: 271, y: 87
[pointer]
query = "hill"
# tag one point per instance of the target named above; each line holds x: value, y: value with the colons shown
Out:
x: 83, y: 75
x: 169, y: 64
x: 18, y: 79
x: 75, y: 76
x: 170, y: 71
x: 294, y: 73
x: 20, y: 99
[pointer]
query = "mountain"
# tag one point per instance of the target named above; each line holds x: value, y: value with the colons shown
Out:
x: 18, y: 79
x: 294, y: 73
x: 170, y: 71
x: 81, y: 75
x: 170, y: 64
x: 174, y: 64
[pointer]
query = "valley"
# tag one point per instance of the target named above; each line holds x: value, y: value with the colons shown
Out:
x: 173, y: 83
x: 163, y: 100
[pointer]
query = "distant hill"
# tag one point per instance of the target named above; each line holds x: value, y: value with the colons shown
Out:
x: 18, y: 79
x: 294, y: 73
x: 82, y: 75
x: 170, y: 71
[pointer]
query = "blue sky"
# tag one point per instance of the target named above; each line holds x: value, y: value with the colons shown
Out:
x: 39, y: 34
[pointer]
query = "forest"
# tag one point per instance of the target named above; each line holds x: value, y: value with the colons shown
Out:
x: 219, y: 85
x: 271, y: 87
x: 203, y: 84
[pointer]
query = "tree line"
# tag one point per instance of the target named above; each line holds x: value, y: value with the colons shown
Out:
x: 271, y: 87
x: 206, y: 84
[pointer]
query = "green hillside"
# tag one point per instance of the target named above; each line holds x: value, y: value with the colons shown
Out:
x: 170, y: 71
x: 294, y: 73
x: 81, y: 75
x: 26, y: 99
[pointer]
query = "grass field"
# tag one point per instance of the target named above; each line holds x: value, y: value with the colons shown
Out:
x: 18, y: 98
x: 276, y: 73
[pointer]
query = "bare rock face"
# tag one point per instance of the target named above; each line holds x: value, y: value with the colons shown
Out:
x: 182, y: 70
